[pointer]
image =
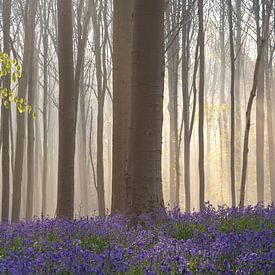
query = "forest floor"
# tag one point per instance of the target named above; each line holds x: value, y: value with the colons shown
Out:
x: 216, y: 241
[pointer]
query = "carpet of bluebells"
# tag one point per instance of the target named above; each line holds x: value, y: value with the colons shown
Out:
x: 216, y: 241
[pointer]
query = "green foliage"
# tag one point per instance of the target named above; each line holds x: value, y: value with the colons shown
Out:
x: 245, y: 222
x: 185, y: 231
x: 10, y: 67
x: 94, y: 242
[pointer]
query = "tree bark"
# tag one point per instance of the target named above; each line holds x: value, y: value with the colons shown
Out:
x: 232, y: 93
x: 122, y: 43
x: 101, y: 88
x: 223, y: 120
x: 173, y: 67
x: 65, y: 195
x: 238, y: 119
x: 270, y: 127
x: 186, y: 104
x: 45, y: 107
x: 82, y: 37
x: 201, y: 106
x: 22, y: 89
x: 6, y: 119
x: 30, y: 145
x: 147, y: 105
x: 260, y: 115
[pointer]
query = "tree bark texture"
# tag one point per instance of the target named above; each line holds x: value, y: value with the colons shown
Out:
x: 147, y: 105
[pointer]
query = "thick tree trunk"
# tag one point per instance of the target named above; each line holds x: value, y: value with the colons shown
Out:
x: 201, y: 107
x: 122, y: 43
x: 147, y: 105
x: 22, y: 89
x: 6, y: 120
x: 65, y: 196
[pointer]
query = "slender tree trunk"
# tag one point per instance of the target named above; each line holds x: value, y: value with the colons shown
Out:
x: 38, y: 155
x: 238, y: 118
x: 65, y: 195
x: 12, y: 147
x: 82, y: 32
x: 251, y: 98
x: 83, y: 149
x: 30, y: 145
x: 201, y: 106
x: 270, y: 128
x: 122, y: 41
x: 260, y: 115
x: 22, y: 89
x: 173, y: 64
x: 232, y: 93
x: 45, y: 108
x: 100, y: 110
x: 223, y: 123
x: 147, y: 105
x: 186, y: 105
x: 6, y: 120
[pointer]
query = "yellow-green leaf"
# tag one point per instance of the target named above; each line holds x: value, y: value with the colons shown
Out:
x: 6, y: 104
x: 13, y: 77
x: 34, y: 115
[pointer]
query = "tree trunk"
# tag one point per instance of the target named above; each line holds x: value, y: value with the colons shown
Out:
x: 82, y: 37
x: 122, y: 43
x: 65, y: 195
x: 201, y: 106
x: 186, y: 106
x: 173, y: 64
x: 45, y: 108
x: 6, y: 120
x: 270, y: 128
x: 238, y: 117
x: 20, y: 122
x: 223, y: 123
x: 260, y: 116
x: 232, y: 93
x: 100, y: 108
x: 30, y: 145
x: 147, y: 105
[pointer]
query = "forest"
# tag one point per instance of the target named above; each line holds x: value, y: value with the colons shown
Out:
x: 137, y: 137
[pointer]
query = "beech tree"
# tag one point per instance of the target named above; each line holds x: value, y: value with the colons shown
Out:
x: 201, y: 105
x: 147, y: 103
x: 22, y: 90
x: 6, y: 119
x: 232, y: 93
x: 260, y: 115
x: 65, y: 195
x: 122, y: 44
